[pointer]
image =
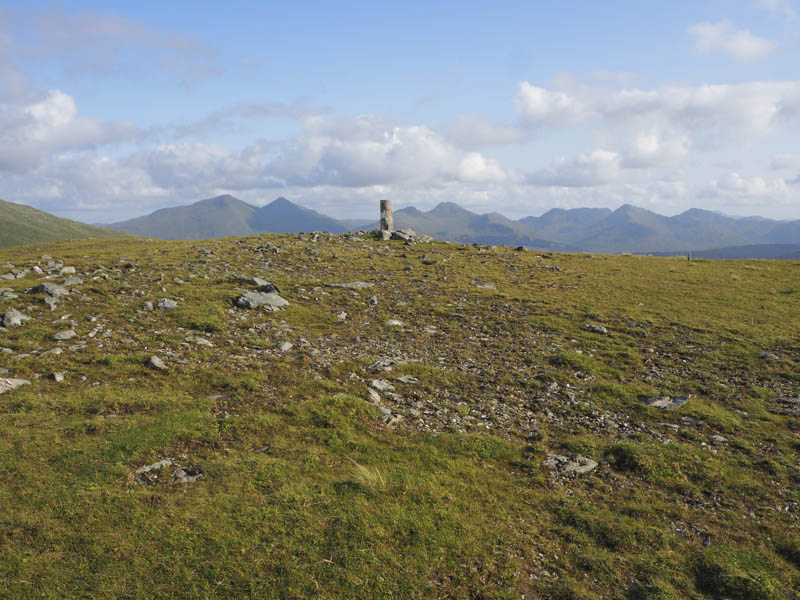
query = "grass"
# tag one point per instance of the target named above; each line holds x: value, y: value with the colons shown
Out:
x: 308, y: 492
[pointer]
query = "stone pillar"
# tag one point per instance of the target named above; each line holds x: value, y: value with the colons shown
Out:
x: 387, y: 221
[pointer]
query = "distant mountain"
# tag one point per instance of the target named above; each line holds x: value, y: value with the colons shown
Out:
x: 226, y: 216
x: 20, y: 224
x: 771, y: 251
x: 449, y: 221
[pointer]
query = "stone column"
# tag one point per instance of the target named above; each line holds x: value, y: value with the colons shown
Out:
x: 387, y: 221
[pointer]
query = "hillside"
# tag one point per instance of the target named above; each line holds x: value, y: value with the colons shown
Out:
x: 20, y: 224
x: 225, y: 216
x: 406, y: 420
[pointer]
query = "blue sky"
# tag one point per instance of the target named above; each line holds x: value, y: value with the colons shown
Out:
x: 112, y: 110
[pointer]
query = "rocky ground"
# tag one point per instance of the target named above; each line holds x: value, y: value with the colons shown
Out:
x: 615, y: 381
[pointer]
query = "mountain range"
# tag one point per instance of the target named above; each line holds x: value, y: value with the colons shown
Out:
x: 20, y: 224
x: 626, y: 229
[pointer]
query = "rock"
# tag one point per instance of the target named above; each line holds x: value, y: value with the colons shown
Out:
x: 67, y: 271
x: 768, y: 356
x: 382, y: 385
x: 352, y: 285
x: 57, y: 377
x: 285, y: 346
x: 156, y: 466
x: 342, y: 316
x: 154, y: 362
x: 597, y: 329
x: 49, y: 289
x: 565, y: 466
x: 72, y: 281
x: 187, y: 474
x: 166, y: 304
x: 373, y: 300
x: 268, y: 300
x: 374, y: 396
x: 262, y: 284
x: 487, y: 286
x: 395, y: 323
x: 8, y: 384
x: 67, y: 334
x: 407, y: 379
x: 718, y: 439
x: 384, y: 364
x: 202, y: 342
x: 148, y: 306
x: 12, y: 318
x: 666, y: 401
x: 51, y: 302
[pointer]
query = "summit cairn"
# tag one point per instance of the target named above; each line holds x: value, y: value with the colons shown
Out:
x: 387, y: 221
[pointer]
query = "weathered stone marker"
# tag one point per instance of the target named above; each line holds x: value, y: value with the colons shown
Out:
x: 387, y: 221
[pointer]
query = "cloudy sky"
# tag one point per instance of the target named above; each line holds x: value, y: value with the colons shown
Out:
x: 110, y: 110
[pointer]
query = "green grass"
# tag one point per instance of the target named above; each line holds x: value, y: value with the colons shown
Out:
x: 308, y: 492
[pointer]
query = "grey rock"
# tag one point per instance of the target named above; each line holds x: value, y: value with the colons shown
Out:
x: 565, y: 466
x: 597, y: 329
x: 148, y: 306
x: 395, y: 323
x: 373, y: 300
x: 268, y: 300
x: 12, y: 318
x: 154, y: 362
x: 382, y: 385
x: 187, y: 474
x: 67, y: 334
x: 49, y: 289
x: 67, y: 271
x: 718, y: 438
x: 374, y: 396
x: 156, y: 466
x: 384, y: 364
x: 666, y: 401
x: 8, y: 384
x: 408, y: 379
x: 57, y: 377
x: 73, y: 280
x: 768, y: 356
x: 51, y: 302
x: 352, y: 285
x: 285, y: 346
x: 166, y: 304
x: 342, y: 316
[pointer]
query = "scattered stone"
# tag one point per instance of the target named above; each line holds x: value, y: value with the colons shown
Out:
x: 768, y: 356
x: 564, y: 466
x: 202, y: 342
x: 67, y: 271
x: 395, y: 323
x: 384, y: 364
x: 665, y: 401
x: 342, y: 316
x: 156, y: 466
x: 57, y: 377
x: 148, y: 306
x: 285, y: 346
x: 73, y: 281
x: 13, y: 318
x: 49, y: 289
x: 67, y: 334
x: 262, y: 284
x: 154, y: 362
x: 51, y: 302
x: 373, y: 300
x: 407, y: 379
x: 352, y: 285
x: 718, y: 439
x: 187, y: 474
x: 8, y: 384
x: 166, y: 304
x: 267, y: 300
x: 374, y: 396
x: 487, y: 286
x: 382, y: 385
x: 597, y: 329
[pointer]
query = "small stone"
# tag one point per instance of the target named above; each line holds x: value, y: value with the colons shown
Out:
x: 147, y: 306
x: 268, y: 300
x: 72, y: 281
x: 67, y: 334
x: 49, y: 289
x: 8, y: 384
x: 342, y: 316
x: 352, y: 285
x: 154, y: 362
x: 597, y: 329
x: 666, y: 401
x: 373, y: 300
x: 374, y: 396
x: 12, y: 318
x: 718, y: 439
x: 382, y: 385
x: 187, y: 474
x: 407, y: 379
x: 768, y: 356
x: 395, y: 323
x: 67, y: 271
x: 285, y: 346
x: 57, y: 377
x: 167, y: 304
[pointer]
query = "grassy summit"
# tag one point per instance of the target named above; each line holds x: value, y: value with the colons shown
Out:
x: 259, y: 463
x: 20, y: 224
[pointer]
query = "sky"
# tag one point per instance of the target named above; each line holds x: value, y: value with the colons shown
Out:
x: 111, y: 110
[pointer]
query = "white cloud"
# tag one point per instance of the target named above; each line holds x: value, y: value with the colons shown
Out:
x: 738, y: 190
x: 783, y: 7
x: 51, y: 123
x: 785, y: 161
x: 540, y: 106
x: 473, y: 131
x: 740, y: 44
x: 591, y: 169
